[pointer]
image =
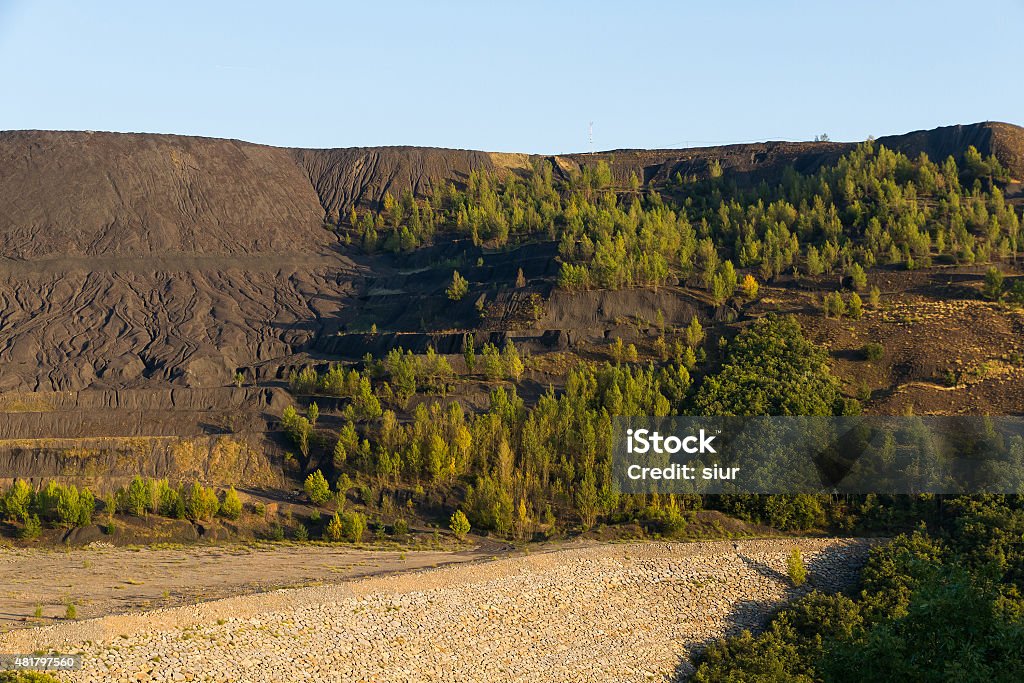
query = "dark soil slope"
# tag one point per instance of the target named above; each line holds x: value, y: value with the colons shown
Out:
x: 363, y: 175
x: 107, y: 193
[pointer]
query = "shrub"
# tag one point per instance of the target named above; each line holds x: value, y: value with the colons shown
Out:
x: 71, y: 611
x: 297, y: 428
x: 459, y: 524
x: 874, y: 297
x: 796, y: 569
x: 32, y: 527
x: 873, y: 351
x: 401, y: 526
x: 74, y: 507
x: 231, y: 506
x: 26, y: 677
x: 301, y: 533
x: 317, y: 488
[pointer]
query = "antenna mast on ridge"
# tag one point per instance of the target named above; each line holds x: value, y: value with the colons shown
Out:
x: 590, y: 136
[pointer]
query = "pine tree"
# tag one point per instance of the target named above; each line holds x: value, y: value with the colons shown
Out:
x: 459, y: 524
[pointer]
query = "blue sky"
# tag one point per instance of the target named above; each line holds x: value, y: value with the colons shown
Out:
x: 510, y: 76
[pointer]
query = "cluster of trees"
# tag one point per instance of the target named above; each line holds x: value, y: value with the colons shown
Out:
x: 65, y: 505
x: 195, y: 502
x: 771, y: 368
x: 523, y: 469
x: 939, y: 604
x: 998, y: 289
x: 61, y: 505
x: 874, y: 206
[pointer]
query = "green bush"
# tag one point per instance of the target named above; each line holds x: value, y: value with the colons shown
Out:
x: 74, y: 507
x: 31, y: 527
x: 169, y: 502
x: 26, y: 677
x: 873, y: 351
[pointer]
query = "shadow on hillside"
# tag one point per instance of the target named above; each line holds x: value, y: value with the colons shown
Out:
x: 754, y: 615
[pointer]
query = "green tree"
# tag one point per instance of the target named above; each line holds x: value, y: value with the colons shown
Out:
x: 353, y: 525
x: 513, y: 363
x: 750, y: 287
x: 231, y: 505
x: 993, y: 287
x: 18, y: 500
x: 459, y: 524
x: 317, y: 489
x: 856, y: 307
x: 833, y: 305
x: 200, y: 502
x: 874, y: 297
x: 469, y: 352
x: 796, y: 569
x: 458, y: 288
x: 858, y: 278
x: 335, y: 530
x: 771, y: 368
x: 137, y: 498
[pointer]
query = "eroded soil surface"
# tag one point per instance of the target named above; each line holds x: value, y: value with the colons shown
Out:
x: 106, y: 580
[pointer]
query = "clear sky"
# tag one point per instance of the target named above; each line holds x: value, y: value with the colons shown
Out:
x: 510, y: 75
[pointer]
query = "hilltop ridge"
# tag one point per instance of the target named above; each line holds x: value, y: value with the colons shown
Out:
x: 93, y: 193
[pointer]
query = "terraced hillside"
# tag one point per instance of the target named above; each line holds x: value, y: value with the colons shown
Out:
x: 157, y: 291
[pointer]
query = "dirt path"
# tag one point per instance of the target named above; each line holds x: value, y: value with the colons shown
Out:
x: 107, y: 580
